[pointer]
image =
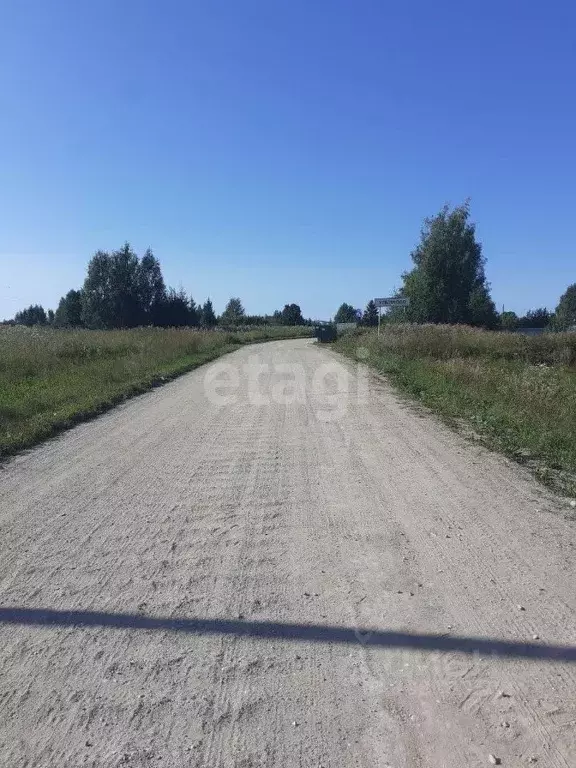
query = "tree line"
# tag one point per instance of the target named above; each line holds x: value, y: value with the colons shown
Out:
x: 447, y: 284
x: 124, y: 291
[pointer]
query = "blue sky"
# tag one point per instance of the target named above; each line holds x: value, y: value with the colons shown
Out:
x: 285, y: 150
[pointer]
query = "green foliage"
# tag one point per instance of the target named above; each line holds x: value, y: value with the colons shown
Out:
x: 32, y: 315
x: 207, y: 316
x: 448, y: 283
x: 370, y: 316
x: 97, y: 292
x: 345, y: 314
x: 509, y: 321
x: 151, y: 289
x: 481, y: 310
x: 121, y: 291
x: 111, y: 293
x: 565, y: 315
x: 233, y: 313
x: 291, y: 315
x: 536, y: 318
x: 194, y: 312
x: 69, y: 311
x: 174, y: 311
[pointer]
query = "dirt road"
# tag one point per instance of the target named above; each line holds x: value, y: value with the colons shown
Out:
x: 266, y: 574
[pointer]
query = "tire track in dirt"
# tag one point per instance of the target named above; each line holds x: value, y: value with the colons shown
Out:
x: 330, y: 505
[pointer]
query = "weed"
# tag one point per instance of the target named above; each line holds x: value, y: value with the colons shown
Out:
x: 51, y: 379
x: 517, y: 393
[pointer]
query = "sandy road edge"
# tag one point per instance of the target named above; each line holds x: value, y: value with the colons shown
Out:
x: 132, y: 390
x: 533, y: 469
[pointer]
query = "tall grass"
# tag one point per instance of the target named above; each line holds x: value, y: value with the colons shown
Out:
x: 516, y: 393
x: 50, y: 379
x: 444, y: 342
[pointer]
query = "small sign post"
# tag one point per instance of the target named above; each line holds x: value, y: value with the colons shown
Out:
x: 391, y: 301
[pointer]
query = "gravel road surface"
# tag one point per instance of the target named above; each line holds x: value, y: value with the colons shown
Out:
x: 273, y: 561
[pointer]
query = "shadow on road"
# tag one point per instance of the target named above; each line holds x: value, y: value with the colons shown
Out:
x: 315, y: 633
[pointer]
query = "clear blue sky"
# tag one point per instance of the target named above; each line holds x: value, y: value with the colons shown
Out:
x: 285, y: 150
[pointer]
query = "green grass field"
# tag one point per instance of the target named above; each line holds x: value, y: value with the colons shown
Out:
x: 515, y: 393
x: 51, y: 379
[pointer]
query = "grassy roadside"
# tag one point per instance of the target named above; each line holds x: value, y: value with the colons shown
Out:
x: 52, y: 379
x: 516, y: 394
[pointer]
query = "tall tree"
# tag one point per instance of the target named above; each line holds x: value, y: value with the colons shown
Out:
x: 448, y: 282
x: 291, y: 315
x: 481, y: 308
x: 151, y: 288
x: 370, y: 316
x: 536, y: 318
x: 32, y: 315
x: 111, y: 292
x: 175, y: 311
x: 565, y: 315
x: 125, y: 288
x: 346, y: 314
x: 233, y: 313
x: 69, y: 311
x: 194, y: 312
x: 207, y: 316
x: 97, y: 311
x: 509, y: 321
